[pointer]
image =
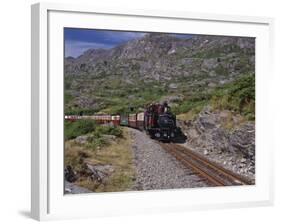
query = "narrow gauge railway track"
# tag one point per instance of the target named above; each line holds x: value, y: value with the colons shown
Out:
x: 213, y: 173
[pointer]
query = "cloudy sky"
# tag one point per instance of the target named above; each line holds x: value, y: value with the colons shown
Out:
x: 79, y: 40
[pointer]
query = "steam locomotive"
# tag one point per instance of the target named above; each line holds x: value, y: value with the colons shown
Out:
x: 157, y: 120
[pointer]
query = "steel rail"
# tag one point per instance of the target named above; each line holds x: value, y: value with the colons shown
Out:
x: 214, y: 173
x: 188, y: 163
x: 229, y: 174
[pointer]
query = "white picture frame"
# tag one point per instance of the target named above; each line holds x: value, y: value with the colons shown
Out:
x: 48, y: 201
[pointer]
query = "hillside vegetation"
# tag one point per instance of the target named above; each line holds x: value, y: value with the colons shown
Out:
x: 237, y: 96
x: 188, y: 73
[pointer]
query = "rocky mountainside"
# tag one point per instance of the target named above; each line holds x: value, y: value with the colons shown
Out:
x: 156, y: 66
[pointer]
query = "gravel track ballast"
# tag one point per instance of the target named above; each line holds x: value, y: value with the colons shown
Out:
x: 157, y: 169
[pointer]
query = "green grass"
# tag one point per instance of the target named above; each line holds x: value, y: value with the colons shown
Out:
x: 127, y: 98
x: 118, y: 97
x: 67, y: 98
x: 238, y: 96
x: 188, y: 105
x: 194, y: 102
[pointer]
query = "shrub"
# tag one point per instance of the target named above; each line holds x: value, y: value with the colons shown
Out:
x: 188, y: 105
x: 78, y: 111
x: 96, y: 138
x: 238, y: 96
x: 77, y: 128
x: 108, y: 130
x: 194, y: 103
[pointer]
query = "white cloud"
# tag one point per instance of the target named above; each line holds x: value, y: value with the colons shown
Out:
x: 76, y: 48
x: 123, y: 36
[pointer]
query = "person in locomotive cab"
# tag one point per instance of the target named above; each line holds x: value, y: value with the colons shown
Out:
x: 167, y: 109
